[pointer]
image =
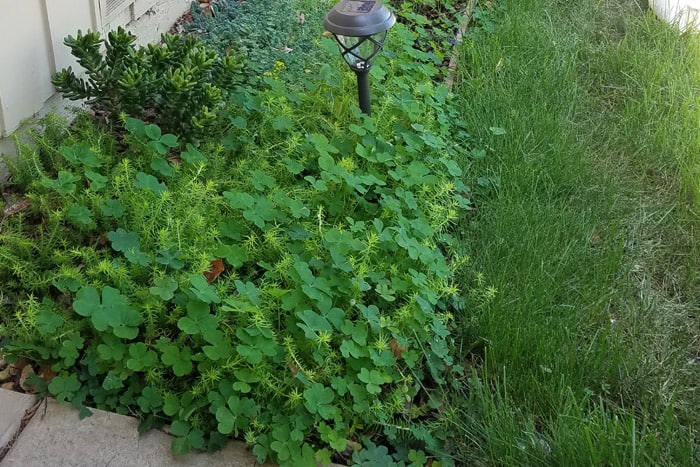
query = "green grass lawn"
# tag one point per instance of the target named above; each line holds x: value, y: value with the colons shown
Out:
x: 585, y: 225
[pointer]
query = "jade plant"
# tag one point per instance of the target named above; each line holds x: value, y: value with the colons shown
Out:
x: 179, y: 83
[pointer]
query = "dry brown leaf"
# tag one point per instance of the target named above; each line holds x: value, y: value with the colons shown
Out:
x: 102, y: 239
x: 27, y: 371
x: 215, y: 269
x: 7, y: 373
x: 207, y: 10
x: 396, y: 349
x: 46, y: 373
x: 177, y: 160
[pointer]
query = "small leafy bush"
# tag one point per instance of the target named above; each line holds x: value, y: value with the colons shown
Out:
x: 180, y: 82
x: 290, y: 284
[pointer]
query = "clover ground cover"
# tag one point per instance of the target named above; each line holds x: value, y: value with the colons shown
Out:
x: 288, y: 280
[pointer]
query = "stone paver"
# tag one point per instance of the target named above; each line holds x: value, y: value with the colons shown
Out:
x: 60, y: 438
x: 12, y: 408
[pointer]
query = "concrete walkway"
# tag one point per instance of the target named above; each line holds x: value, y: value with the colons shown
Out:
x: 34, y: 434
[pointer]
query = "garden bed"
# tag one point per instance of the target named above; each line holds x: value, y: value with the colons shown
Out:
x: 275, y: 267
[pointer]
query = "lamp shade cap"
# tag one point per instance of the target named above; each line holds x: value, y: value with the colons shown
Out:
x: 358, y: 18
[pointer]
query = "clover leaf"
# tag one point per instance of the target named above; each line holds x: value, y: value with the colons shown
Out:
x: 158, y: 142
x: 164, y: 287
x: 236, y: 415
x: 48, y: 321
x: 123, y: 240
x: 202, y: 290
x: 171, y: 406
x: 112, y: 208
x: 162, y: 166
x: 243, y: 377
x: 256, y: 344
x: 262, y: 181
x: 150, y: 400
x: 64, y: 184
x: 257, y: 210
x: 64, y: 387
x: 186, y: 438
x: 322, y: 145
x: 129, y: 244
x: 296, y: 207
x: 65, y: 284
x: 220, y: 348
x: 149, y: 182
x: 111, y: 311
x: 141, y: 357
x: 170, y: 258
x: 199, y: 319
x: 318, y: 399
x: 357, y: 331
x: 79, y: 215
x: 249, y: 290
x: 153, y: 132
x: 69, y: 349
x: 168, y: 140
x: 112, y: 382
x: 81, y: 153
x: 283, y: 444
x: 281, y: 123
x: 372, y: 455
x: 373, y: 380
x: 97, y: 181
x: 111, y: 349
x: 179, y: 360
x: 192, y: 155
x: 313, y: 323
x: 332, y: 437
x: 234, y: 255
x: 135, y: 126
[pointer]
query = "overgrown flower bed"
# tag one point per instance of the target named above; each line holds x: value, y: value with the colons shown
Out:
x: 288, y: 281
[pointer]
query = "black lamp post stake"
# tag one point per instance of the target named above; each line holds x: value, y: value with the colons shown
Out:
x: 363, y: 91
x: 360, y: 28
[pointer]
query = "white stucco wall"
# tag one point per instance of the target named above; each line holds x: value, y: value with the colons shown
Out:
x: 148, y: 19
x: 684, y: 13
x: 32, y: 33
x: 26, y: 62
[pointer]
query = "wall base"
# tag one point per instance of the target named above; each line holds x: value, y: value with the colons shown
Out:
x: 684, y: 13
x: 57, y: 104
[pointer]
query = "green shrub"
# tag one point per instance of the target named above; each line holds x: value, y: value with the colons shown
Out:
x: 290, y: 284
x: 179, y: 83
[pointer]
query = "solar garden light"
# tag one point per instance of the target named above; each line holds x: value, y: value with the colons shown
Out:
x: 360, y: 28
